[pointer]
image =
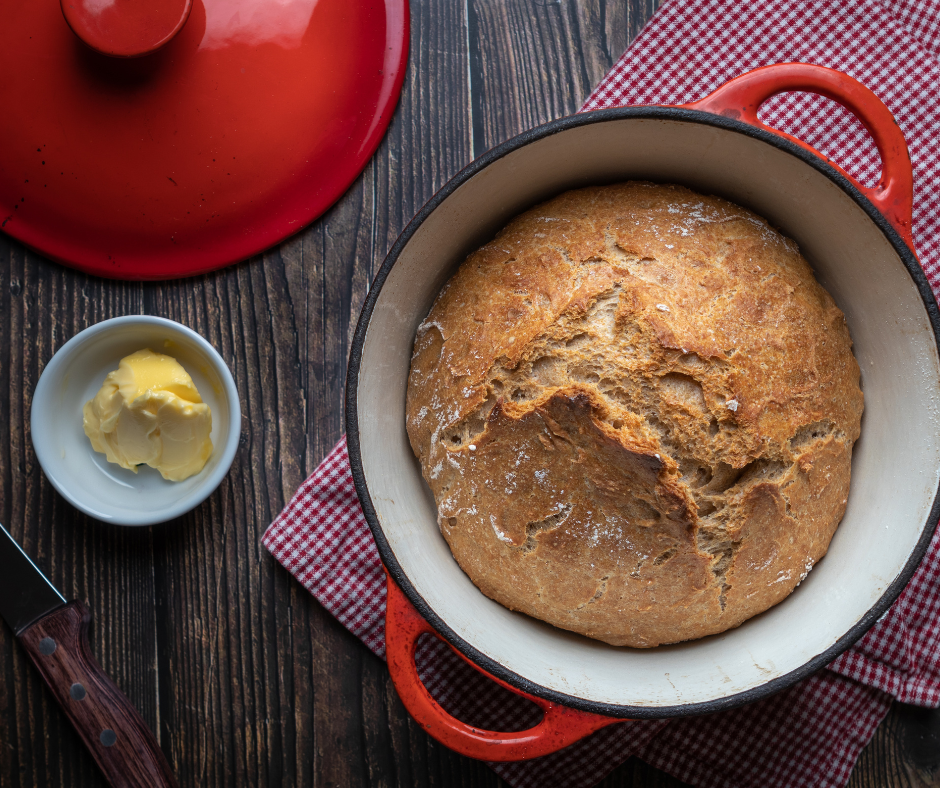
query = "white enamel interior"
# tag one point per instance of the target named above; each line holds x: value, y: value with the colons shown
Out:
x: 895, y: 466
x: 84, y: 477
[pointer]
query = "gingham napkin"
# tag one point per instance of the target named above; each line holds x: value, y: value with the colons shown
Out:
x: 811, y: 734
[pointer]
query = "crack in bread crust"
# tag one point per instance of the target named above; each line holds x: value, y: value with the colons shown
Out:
x: 636, y: 409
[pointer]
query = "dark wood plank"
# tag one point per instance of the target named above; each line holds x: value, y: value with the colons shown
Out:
x: 532, y: 61
x: 919, y: 733
x: 905, y: 751
x: 245, y: 679
x: 42, y: 307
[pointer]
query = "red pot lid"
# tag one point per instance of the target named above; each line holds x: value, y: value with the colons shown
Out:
x: 237, y: 131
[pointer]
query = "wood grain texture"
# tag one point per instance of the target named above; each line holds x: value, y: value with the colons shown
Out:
x: 244, y: 678
x: 113, y: 732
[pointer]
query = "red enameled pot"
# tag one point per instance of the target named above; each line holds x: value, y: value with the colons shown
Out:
x: 858, y: 240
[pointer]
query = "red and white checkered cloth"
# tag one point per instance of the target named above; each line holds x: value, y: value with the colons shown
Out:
x: 811, y: 734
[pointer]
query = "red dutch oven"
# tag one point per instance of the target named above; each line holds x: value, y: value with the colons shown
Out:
x: 858, y: 240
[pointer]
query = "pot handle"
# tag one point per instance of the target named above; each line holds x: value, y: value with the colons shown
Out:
x: 740, y: 98
x: 559, y: 726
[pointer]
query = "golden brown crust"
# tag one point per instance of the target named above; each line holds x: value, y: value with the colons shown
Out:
x: 636, y: 410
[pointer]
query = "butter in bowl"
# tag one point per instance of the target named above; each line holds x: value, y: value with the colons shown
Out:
x: 136, y: 420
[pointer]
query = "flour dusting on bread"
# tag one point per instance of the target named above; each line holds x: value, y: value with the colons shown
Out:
x: 636, y: 409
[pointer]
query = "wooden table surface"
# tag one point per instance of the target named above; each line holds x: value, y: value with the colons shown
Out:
x: 246, y: 680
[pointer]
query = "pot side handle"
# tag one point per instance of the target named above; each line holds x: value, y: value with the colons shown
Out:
x: 740, y: 98
x: 559, y: 726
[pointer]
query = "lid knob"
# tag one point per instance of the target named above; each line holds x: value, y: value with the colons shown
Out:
x: 126, y: 28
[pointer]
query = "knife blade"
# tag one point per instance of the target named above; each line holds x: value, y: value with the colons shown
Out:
x: 54, y: 634
x: 25, y: 593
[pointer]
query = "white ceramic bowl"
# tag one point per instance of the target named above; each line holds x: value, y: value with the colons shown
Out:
x: 857, y: 255
x: 83, y: 476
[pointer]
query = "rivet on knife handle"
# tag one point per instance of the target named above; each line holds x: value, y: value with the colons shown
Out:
x: 112, y: 729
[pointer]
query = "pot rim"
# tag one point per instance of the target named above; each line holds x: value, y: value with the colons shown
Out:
x: 352, y: 422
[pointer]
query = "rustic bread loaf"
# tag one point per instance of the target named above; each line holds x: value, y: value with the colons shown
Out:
x: 636, y: 408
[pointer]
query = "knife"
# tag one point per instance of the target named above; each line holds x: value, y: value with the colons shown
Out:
x: 55, y: 635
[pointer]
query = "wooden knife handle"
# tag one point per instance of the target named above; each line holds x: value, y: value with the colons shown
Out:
x: 113, y: 731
